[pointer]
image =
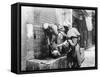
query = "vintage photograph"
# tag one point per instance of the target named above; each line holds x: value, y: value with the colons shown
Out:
x: 57, y: 38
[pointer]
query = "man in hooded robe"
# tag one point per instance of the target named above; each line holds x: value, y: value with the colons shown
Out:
x: 72, y: 42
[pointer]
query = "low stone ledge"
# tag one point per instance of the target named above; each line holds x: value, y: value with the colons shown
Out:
x: 36, y: 64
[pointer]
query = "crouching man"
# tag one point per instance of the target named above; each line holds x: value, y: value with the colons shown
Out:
x: 72, y: 43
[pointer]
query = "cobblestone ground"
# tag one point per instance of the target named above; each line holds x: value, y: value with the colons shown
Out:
x: 89, y: 57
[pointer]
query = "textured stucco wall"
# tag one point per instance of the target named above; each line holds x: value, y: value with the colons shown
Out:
x: 26, y: 18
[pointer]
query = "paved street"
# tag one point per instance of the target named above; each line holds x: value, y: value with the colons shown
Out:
x: 89, y: 57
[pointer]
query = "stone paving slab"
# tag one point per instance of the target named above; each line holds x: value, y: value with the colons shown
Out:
x: 89, y: 57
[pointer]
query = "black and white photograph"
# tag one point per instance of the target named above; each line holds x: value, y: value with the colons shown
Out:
x: 57, y: 38
x: 49, y: 38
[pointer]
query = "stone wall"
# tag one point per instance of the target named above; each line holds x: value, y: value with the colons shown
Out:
x: 33, y: 42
